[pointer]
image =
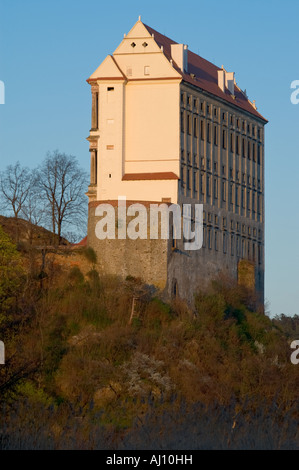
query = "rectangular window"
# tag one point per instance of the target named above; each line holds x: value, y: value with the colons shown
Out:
x: 231, y: 193
x: 237, y: 195
x: 96, y: 166
x: 243, y: 147
x: 259, y: 204
x: 249, y: 151
x: 215, y: 135
x: 208, y: 132
x: 204, y: 240
x: 259, y: 156
x: 202, y: 130
x: 202, y: 183
x: 254, y: 152
x: 224, y: 243
x: 208, y: 185
x: 110, y: 88
x: 223, y: 190
x: 231, y: 142
x: 243, y: 248
x: 243, y: 198
x: 237, y: 144
x: 97, y: 110
x: 182, y: 176
x: 215, y: 190
x: 195, y: 127
x: 216, y: 240
x: 188, y: 179
x: 182, y: 122
x: 209, y: 238
x: 232, y: 245
x: 224, y: 138
x: 189, y: 125
x: 195, y: 188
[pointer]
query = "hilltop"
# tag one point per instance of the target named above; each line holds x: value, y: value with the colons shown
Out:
x: 23, y: 231
x: 83, y: 372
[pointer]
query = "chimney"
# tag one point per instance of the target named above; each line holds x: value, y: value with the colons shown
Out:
x: 179, y: 53
x: 221, y: 79
x: 230, y: 82
x: 226, y: 80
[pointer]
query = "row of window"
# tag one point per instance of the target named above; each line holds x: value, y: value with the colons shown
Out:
x: 237, y: 144
x: 231, y: 192
x: 234, y: 244
x: 195, y: 163
x: 213, y: 111
x: 234, y: 226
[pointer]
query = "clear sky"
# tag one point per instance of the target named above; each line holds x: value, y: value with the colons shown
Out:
x: 49, y: 48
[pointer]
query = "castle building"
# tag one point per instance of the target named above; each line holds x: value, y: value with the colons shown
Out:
x: 170, y: 127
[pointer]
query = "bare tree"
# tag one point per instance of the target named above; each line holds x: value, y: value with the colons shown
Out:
x: 15, y: 184
x: 63, y: 183
x: 34, y: 208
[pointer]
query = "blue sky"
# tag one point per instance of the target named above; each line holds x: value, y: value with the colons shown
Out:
x: 48, y: 49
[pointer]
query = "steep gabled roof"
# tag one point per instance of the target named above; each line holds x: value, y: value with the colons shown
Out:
x: 206, y: 75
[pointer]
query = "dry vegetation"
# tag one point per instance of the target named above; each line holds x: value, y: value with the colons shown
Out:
x: 78, y: 374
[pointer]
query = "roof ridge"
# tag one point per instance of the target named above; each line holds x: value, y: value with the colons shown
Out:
x: 207, y: 79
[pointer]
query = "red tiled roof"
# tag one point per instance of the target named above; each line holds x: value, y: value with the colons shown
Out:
x: 206, y: 76
x: 167, y: 175
x: 83, y: 242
